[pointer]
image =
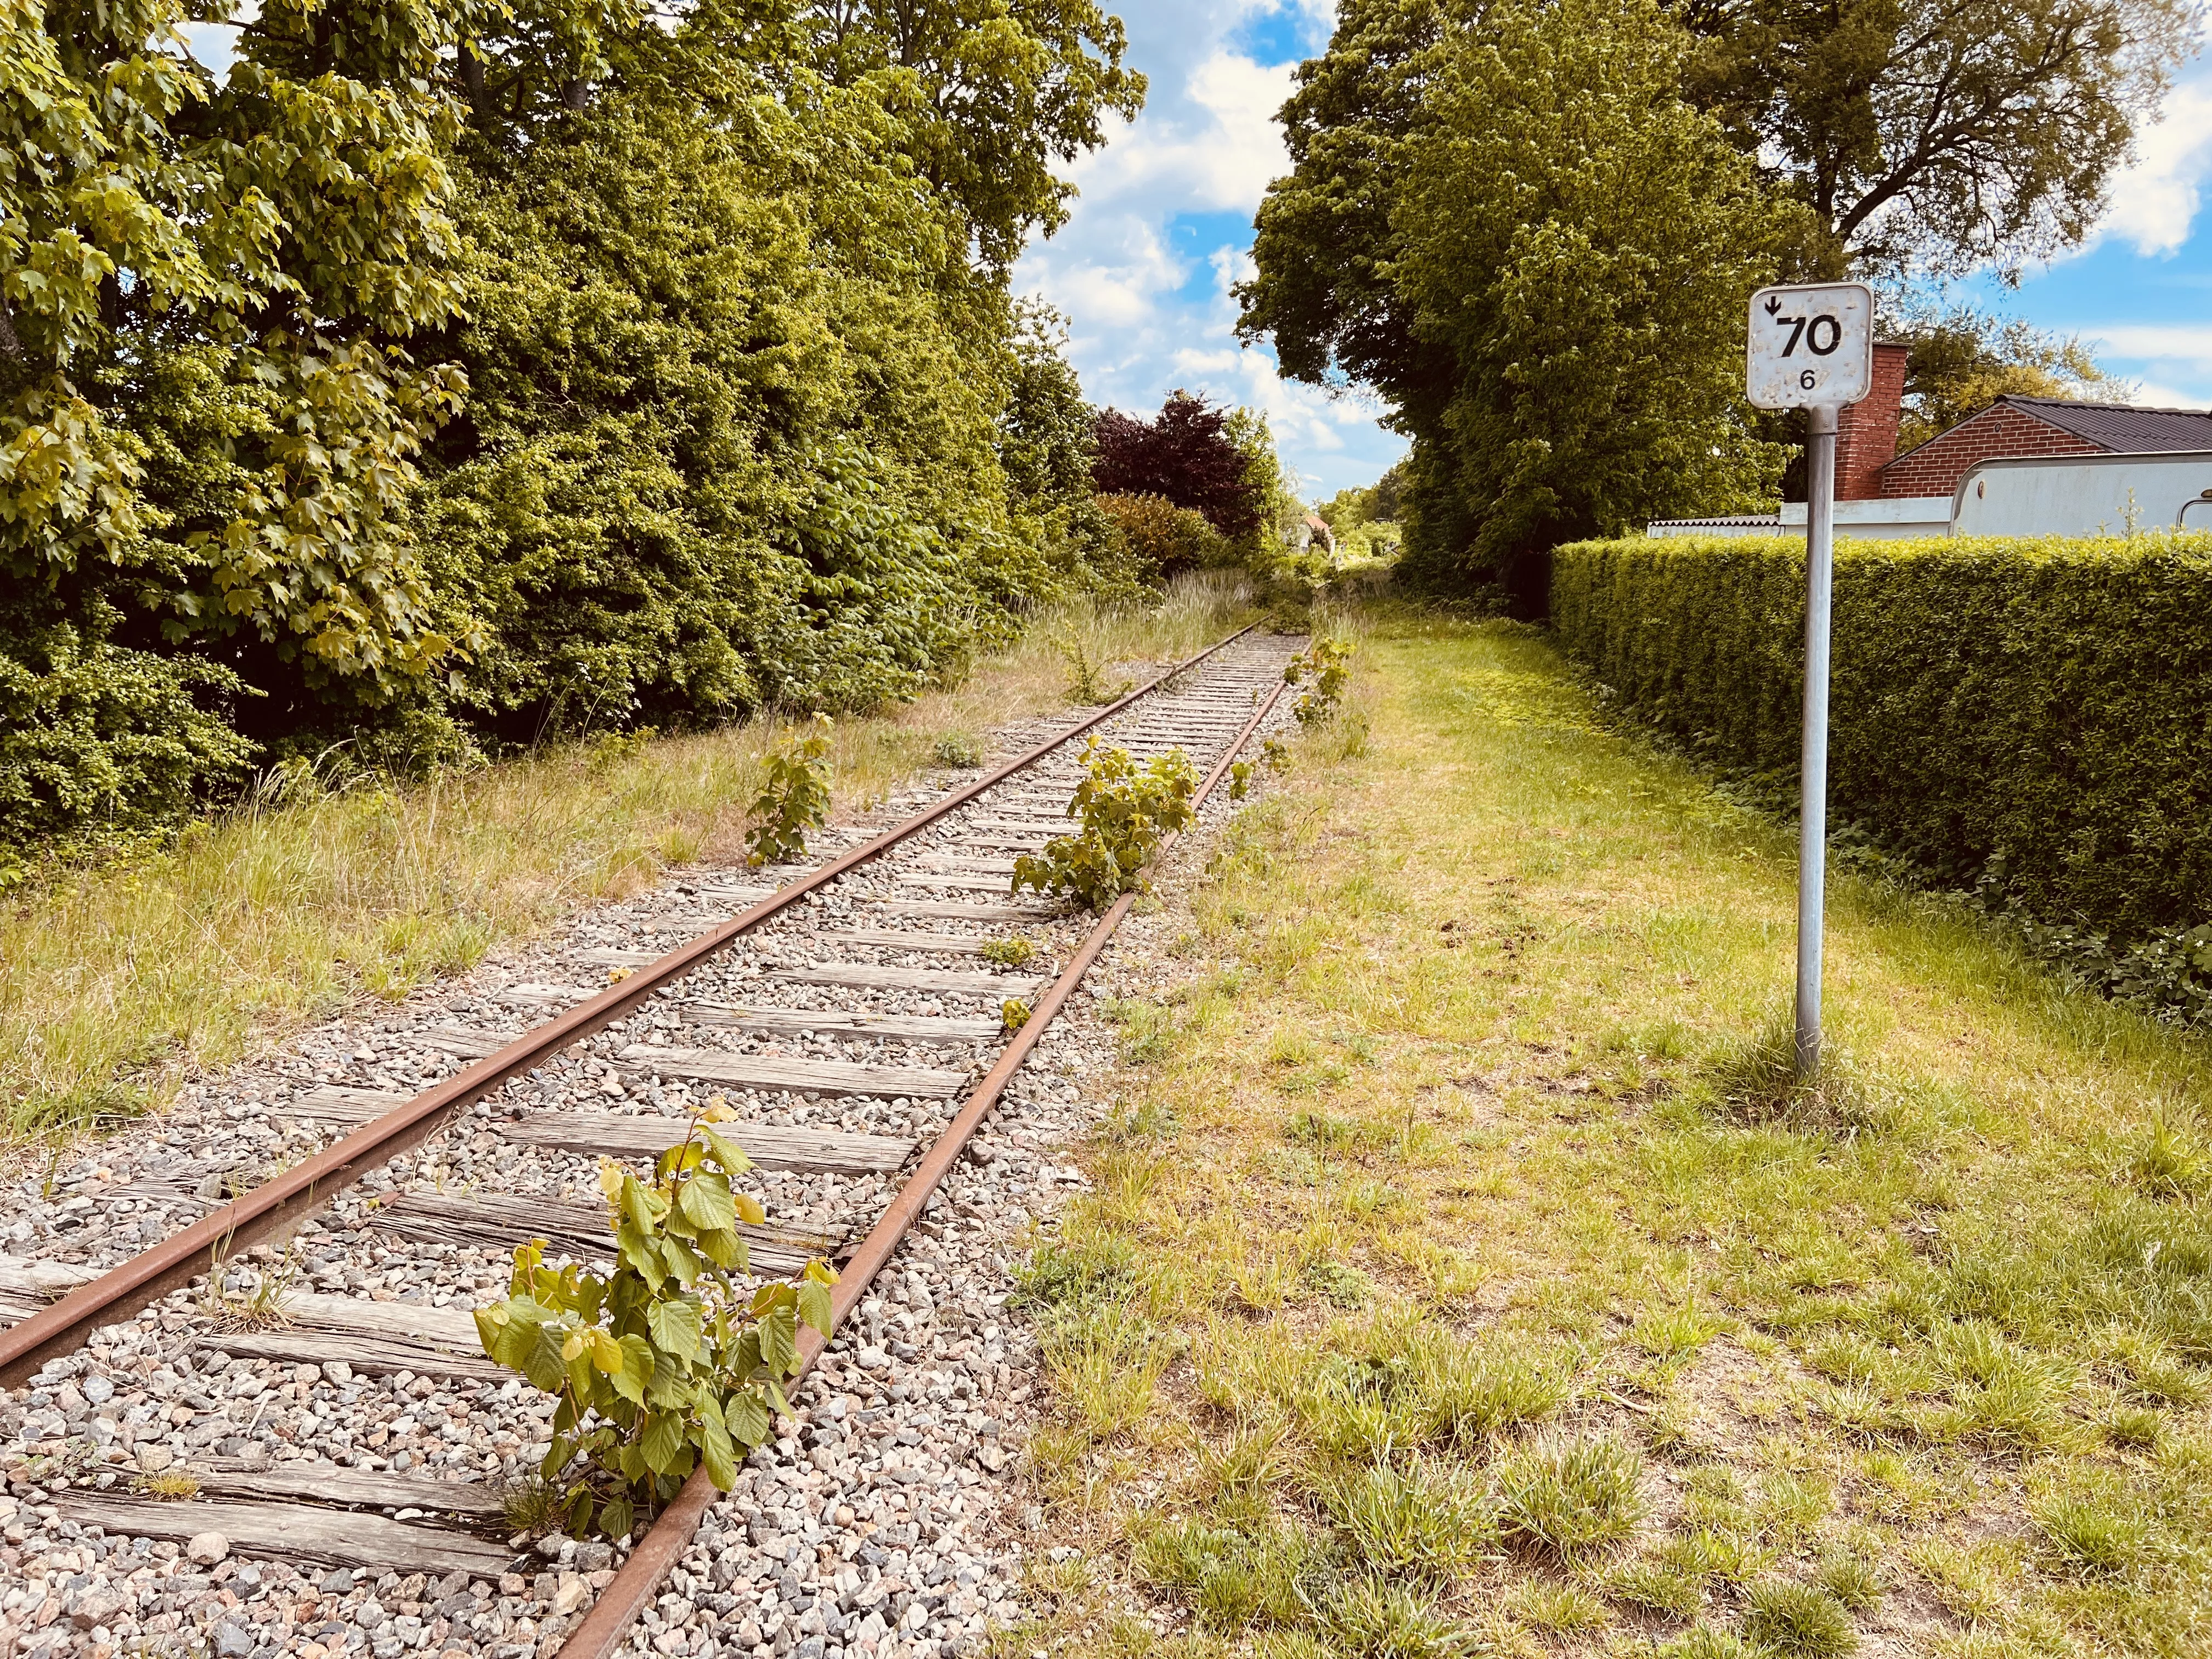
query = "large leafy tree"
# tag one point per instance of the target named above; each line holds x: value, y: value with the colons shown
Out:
x: 1509, y: 222
x: 1937, y: 134
x: 208, y: 413
x: 1188, y: 453
x: 992, y: 93
x: 734, y: 435
x: 1564, y: 363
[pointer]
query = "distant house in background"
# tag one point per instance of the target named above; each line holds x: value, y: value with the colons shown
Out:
x: 2070, y: 468
x: 1317, y: 532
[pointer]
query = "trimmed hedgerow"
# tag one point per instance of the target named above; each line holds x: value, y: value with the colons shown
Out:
x: 2034, y: 714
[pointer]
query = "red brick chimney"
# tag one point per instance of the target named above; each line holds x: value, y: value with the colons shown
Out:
x: 1866, y: 432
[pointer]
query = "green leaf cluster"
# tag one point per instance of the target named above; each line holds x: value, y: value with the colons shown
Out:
x: 2026, y: 715
x: 665, y: 1364
x: 211, y: 415
x: 795, y: 799
x: 446, y: 375
x: 1326, y: 664
x: 1125, y: 811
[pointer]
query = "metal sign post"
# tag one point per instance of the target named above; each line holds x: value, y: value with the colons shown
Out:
x: 1811, y: 348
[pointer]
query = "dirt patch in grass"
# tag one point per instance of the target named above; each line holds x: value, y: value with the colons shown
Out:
x: 1455, y: 1279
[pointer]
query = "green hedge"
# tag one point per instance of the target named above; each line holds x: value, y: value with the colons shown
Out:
x: 2037, y: 711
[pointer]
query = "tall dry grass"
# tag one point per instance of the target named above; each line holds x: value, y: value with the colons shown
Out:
x: 116, y: 983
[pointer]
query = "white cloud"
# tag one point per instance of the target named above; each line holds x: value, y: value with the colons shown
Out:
x: 2156, y: 394
x: 2170, y: 363
x: 2155, y: 201
x: 2171, y: 342
x: 1162, y: 228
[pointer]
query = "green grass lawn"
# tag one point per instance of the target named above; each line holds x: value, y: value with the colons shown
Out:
x: 1458, y: 1278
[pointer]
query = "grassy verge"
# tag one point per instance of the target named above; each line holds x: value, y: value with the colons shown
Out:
x: 113, y: 982
x: 1459, y: 1277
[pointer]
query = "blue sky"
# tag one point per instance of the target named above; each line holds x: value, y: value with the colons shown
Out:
x: 1165, y: 225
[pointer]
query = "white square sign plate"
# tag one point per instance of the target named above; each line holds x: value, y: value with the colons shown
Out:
x: 1810, y: 346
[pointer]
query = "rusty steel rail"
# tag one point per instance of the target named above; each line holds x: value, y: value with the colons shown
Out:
x: 273, y: 1210
x: 637, y: 1580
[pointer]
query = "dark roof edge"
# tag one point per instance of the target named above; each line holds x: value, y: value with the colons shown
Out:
x: 2084, y: 403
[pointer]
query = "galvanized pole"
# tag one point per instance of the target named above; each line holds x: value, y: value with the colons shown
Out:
x: 1812, y: 807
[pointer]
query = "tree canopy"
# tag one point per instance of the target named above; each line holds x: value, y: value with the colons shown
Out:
x: 1512, y: 224
x: 448, y: 372
x: 1189, y: 455
x: 1936, y: 134
x: 1530, y: 226
x: 991, y: 93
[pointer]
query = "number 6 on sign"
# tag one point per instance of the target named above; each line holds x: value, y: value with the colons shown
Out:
x: 1810, y: 347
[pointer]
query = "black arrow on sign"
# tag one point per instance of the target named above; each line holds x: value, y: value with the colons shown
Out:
x: 1773, y: 304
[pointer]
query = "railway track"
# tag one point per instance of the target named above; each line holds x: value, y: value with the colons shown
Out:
x: 255, y: 1418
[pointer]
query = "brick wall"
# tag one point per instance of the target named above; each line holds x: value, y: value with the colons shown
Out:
x: 1866, y: 432
x: 1999, y: 431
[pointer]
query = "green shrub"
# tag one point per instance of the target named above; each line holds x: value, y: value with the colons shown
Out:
x: 1326, y: 664
x: 2029, y: 715
x: 1125, y: 811
x: 91, y: 733
x: 795, y: 798
x: 665, y: 1364
x: 1161, y: 539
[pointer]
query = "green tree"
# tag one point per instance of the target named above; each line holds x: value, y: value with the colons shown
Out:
x: 1963, y: 360
x: 1943, y: 133
x: 1282, y: 513
x: 208, y: 413
x: 1045, y: 448
x: 1510, y: 224
x: 992, y: 93
x: 734, y: 433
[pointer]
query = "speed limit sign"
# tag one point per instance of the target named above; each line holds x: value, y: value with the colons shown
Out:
x: 1810, y: 348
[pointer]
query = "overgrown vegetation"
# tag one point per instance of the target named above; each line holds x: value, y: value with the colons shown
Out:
x: 794, y: 797
x: 332, y: 882
x: 1321, y: 671
x: 2021, y: 719
x: 1432, y: 1293
x: 1125, y: 812
x: 438, y: 379
x: 1158, y: 537
x: 664, y: 1365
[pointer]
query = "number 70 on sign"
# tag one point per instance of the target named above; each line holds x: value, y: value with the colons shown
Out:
x: 1810, y: 347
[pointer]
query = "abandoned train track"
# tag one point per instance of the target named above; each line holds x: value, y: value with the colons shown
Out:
x: 846, y: 1014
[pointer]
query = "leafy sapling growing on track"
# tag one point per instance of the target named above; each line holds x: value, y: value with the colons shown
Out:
x: 1240, y: 780
x: 795, y: 798
x: 1086, y: 675
x: 1323, y: 669
x: 665, y: 1364
x: 1008, y: 952
x: 1125, y: 811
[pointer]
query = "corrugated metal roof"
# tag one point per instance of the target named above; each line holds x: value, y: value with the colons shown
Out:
x: 2121, y: 428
